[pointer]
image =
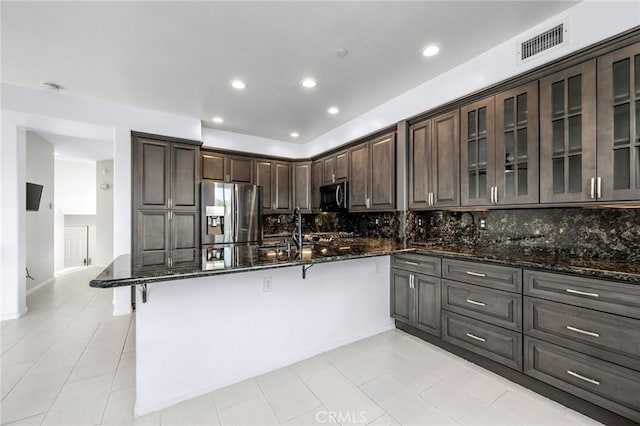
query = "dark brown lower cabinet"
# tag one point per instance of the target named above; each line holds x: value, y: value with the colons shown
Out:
x: 166, y: 239
x: 496, y: 343
x: 415, y: 299
x: 606, y: 384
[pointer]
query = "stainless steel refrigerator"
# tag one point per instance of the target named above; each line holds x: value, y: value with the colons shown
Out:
x: 231, y: 213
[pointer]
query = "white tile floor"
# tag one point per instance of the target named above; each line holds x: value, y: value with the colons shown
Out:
x: 69, y: 362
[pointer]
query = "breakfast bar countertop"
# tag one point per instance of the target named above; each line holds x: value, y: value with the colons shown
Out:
x: 253, y: 257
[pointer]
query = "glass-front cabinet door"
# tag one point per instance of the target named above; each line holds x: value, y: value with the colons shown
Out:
x: 517, y: 145
x: 619, y: 125
x: 477, y: 155
x: 568, y: 135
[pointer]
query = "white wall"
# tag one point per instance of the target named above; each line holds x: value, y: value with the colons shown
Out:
x: 104, y: 213
x: 197, y: 335
x: 39, y: 224
x: 589, y: 22
x: 57, y: 113
x: 76, y: 187
x: 252, y: 144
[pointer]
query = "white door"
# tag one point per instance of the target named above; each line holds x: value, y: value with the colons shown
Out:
x: 75, y: 246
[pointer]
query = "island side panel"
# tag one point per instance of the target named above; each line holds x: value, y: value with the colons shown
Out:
x: 197, y: 335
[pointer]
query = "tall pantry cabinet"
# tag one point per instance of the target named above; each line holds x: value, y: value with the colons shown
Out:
x: 165, y: 196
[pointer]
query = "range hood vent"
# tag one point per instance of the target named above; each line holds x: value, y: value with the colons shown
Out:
x: 544, y: 42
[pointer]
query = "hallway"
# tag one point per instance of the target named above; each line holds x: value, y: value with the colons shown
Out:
x: 68, y: 358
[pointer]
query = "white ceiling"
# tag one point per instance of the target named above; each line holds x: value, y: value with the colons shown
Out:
x: 78, y: 149
x: 179, y: 57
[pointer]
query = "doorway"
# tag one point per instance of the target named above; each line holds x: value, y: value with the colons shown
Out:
x: 76, y: 246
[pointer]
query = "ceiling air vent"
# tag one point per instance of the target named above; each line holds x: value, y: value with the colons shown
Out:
x: 543, y: 42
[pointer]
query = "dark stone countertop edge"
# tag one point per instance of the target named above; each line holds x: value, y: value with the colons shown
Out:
x: 595, y: 273
x: 122, y: 282
x: 627, y: 277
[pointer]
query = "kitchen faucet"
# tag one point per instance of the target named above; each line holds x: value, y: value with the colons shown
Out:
x: 297, y: 232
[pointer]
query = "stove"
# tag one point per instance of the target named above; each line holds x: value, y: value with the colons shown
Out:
x: 329, y: 237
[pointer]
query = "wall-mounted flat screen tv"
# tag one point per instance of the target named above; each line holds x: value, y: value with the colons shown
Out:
x: 34, y: 192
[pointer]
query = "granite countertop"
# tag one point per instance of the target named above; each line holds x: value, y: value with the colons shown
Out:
x: 243, y: 258
x: 247, y: 257
x: 621, y: 270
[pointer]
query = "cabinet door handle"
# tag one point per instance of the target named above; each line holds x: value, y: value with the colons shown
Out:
x: 473, y: 302
x: 408, y: 262
x: 582, y: 293
x: 476, y: 274
x: 592, y: 194
x: 411, y: 281
x: 599, y: 188
x: 473, y: 336
x: 491, y: 196
x: 581, y: 377
x: 578, y: 330
x: 170, y: 202
x: 495, y: 196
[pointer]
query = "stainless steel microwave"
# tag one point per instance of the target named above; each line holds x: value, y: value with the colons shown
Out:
x: 334, y: 197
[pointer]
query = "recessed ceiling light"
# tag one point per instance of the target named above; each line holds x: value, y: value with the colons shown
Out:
x: 218, y: 120
x: 238, y: 84
x: 333, y: 110
x: 431, y: 50
x: 295, y: 134
x: 308, y: 83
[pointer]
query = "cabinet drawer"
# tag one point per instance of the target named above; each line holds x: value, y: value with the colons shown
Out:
x: 493, y: 276
x: 611, y: 386
x: 499, y: 344
x: 606, y: 336
x: 419, y: 263
x: 608, y: 296
x: 493, y: 306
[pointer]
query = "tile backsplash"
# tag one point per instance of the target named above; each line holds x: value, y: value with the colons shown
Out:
x: 604, y: 233
x: 596, y: 233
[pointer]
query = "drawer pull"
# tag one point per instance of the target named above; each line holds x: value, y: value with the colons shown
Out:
x: 476, y: 337
x: 411, y: 263
x: 581, y: 377
x: 588, y: 333
x: 582, y: 293
x: 473, y: 302
x: 476, y: 274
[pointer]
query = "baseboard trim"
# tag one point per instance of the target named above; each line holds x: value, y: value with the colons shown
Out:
x: 15, y: 315
x: 42, y: 284
x: 568, y: 400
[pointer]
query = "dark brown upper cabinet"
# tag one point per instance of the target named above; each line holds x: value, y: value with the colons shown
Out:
x: 618, y: 159
x: 275, y: 179
x: 477, y: 153
x: 434, y: 162
x: 227, y: 167
x: 517, y: 145
x: 359, y: 178
x: 302, y: 186
x: 165, y: 188
x: 568, y: 135
x: 372, y: 179
x: 499, y: 149
x: 335, y: 168
x: 316, y: 182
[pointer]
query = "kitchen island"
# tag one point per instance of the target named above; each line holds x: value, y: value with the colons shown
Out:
x: 214, y: 324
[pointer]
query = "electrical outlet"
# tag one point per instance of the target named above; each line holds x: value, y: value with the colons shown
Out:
x: 377, y: 221
x: 482, y: 223
x: 266, y: 284
x: 279, y: 220
x: 420, y: 222
x: 387, y: 221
